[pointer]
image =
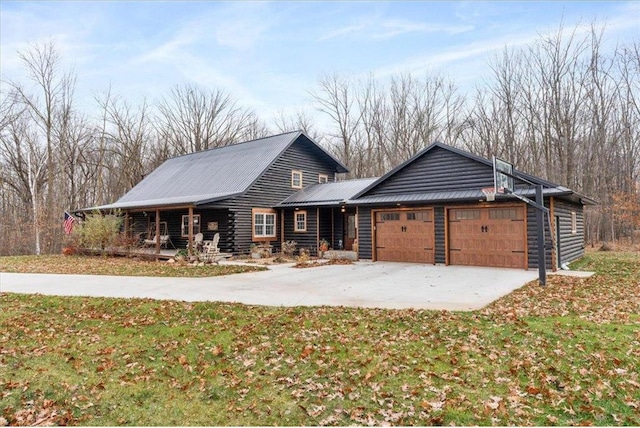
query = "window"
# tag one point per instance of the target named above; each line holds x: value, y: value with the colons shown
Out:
x: 264, y: 223
x: 296, y: 179
x: 300, y: 223
x: 388, y: 216
x: 185, y: 225
x: 504, y: 213
x: 467, y: 214
x: 574, y: 223
x: 419, y: 215
x: 323, y: 178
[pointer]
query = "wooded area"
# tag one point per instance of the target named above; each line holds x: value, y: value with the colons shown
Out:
x: 560, y: 108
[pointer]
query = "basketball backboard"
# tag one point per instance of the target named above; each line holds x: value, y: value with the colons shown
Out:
x: 503, y: 182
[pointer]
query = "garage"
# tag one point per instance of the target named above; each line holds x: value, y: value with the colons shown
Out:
x: 488, y: 236
x: 405, y: 236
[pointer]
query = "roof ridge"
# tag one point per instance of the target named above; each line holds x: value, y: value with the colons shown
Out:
x: 235, y: 144
x: 355, y: 179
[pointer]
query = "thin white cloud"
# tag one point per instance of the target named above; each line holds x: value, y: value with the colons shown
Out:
x: 340, y: 32
x: 394, y: 28
x: 454, y: 54
x: 375, y: 27
x: 240, y: 34
x: 167, y: 50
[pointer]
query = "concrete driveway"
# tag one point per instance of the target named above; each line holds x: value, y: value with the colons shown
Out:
x: 363, y: 284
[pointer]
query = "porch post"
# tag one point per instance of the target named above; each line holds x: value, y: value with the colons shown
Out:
x: 318, y: 229
x: 126, y: 240
x: 157, y: 231
x: 281, y: 228
x: 126, y: 224
x: 190, y: 246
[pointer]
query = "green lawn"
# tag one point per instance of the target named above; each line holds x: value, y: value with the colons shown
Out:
x: 566, y: 354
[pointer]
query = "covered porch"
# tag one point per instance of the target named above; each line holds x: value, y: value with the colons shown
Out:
x: 331, y: 230
x: 165, y: 230
x: 322, y: 213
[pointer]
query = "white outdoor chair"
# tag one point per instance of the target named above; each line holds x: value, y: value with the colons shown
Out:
x: 197, y: 241
x: 211, y: 250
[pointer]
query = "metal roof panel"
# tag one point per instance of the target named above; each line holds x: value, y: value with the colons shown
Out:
x: 327, y: 193
x: 455, y: 195
x: 205, y: 175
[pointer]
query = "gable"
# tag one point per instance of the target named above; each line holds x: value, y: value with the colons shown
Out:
x: 436, y: 170
x: 216, y: 174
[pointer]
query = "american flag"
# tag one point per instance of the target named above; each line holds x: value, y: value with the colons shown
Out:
x: 68, y: 223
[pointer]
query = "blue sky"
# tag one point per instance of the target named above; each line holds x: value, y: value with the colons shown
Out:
x: 269, y: 55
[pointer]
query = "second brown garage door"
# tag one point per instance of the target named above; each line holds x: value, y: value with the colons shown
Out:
x: 405, y: 236
x: 487, y: 236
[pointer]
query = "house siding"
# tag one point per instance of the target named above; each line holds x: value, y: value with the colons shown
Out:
x: 338, y: 229
x: 439, y: 170
x: 364, y: 233
x: 571, y: 244
x: 141, y: 223
x: 325, y: 224
x: 306, y: 240
x: 532, y: 238
x: 440, y: 250
x: 274, y: 186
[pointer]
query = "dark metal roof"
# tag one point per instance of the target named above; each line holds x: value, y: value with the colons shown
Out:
x: 551, y: 189
x: 211, y: 175
x: 327, y: 193
x: 452, y: 196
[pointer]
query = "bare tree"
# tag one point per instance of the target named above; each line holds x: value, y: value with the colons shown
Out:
x: 24, y: 163
x: 378, y: 126
x: 337, y: 98
x: 47, y: 99
x: 192, y: 120
x: 129, y: 137
x: 301, y: 121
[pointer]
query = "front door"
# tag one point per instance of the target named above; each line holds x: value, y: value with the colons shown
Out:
x: 349, y: 230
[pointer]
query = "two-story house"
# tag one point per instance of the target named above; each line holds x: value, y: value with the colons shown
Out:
x: 429, y: 209
x: 232, y: 190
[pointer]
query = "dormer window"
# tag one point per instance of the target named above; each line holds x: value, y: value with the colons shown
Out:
x: 296, y: 179
x: 323, y: 178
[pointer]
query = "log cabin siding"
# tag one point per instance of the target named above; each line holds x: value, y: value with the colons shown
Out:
x: 440, y: 248
x: 532, y: 238
x: 338, y: 229
x: 364, y: 233
x: 571, y: 244
x: 325, y: 225
x: 441, y: 170
x: 273, y: 186
x: 306, y: 240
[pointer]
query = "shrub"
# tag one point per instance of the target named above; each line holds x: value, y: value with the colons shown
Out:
x: 289, y: 248
x: 69, y: 250
x: 303, y: 259
x: 98, y: 231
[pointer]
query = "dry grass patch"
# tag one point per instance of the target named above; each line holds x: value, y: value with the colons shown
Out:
x: 119, y: 266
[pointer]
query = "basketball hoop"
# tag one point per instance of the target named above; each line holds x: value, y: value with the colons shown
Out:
x: 489, y: 193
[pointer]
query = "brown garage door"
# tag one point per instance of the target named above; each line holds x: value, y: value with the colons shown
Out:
x: 487, y: 236
x: 405, y: 236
